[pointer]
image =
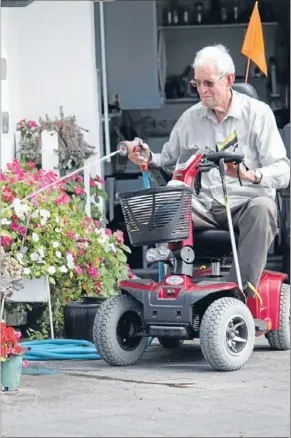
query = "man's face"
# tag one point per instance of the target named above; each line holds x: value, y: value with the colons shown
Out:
x: 211, y: 86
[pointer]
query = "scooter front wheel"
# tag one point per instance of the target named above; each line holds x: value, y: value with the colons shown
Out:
x: 227, y: 334
x: 116, y: 324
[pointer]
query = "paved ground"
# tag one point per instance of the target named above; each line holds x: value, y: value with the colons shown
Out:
x: 167, y: 394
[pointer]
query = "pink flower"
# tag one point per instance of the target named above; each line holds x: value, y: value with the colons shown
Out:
x: 30, y: 163
x: 14, y: 226
x: 78, y: 269
x: 5, y: 240
x: 17, y: 334
x: 93, y: 272
x: 70, y: 235
x: 63, y: 199
x: 100, y: 180
x: 25, y: 363
x: 108, y: 232
x: 82, y: 252
x: 119, y: 236
x: 79, y: 191
x: 3, y: 177
x: 92, y: 182
x: 32, y: 124
x: 22, y: 231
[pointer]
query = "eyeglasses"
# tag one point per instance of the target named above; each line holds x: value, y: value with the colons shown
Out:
x: 206, y: 84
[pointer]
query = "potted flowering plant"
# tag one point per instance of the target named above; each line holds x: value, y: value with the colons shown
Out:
x: 11, y: 358
x: 50, y: 235
x: 72, y: 147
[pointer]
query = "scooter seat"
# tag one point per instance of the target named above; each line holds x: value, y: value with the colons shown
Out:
x: 213, y: 243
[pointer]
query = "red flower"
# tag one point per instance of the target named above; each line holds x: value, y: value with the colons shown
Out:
x: 32, y: 124
x: 9, y: 342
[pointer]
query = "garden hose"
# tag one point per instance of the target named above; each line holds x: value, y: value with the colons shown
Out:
x: 61, y: 349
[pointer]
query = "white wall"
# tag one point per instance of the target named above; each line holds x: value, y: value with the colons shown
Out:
x: 54, y: 45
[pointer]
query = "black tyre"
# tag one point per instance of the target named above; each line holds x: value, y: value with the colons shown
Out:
x: 114, y: 330
x: 170, y: 343
x: 227, y: 334
x: 280, y: 339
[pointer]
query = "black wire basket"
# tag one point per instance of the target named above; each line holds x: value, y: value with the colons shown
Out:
x: 157, y: 215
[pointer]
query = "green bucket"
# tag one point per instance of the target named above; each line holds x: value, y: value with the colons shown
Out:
x: 11, y: 372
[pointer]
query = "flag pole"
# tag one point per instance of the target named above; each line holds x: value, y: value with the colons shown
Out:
x: 249, y: 57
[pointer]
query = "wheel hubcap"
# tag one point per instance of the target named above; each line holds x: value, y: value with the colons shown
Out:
x: 127, y: 326
x: 236, y: 335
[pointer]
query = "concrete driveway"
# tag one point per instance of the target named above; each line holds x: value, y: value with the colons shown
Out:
x: 169, y: 393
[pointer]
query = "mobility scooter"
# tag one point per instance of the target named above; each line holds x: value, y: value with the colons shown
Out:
x: 188, y: 301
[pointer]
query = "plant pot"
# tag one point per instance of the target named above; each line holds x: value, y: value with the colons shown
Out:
x: 79, y: 318
x: 11, y: 372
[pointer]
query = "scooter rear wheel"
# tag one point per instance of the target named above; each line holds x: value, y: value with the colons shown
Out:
x: 227, y: 334
x: 280, y: 339
x: 116, y: 323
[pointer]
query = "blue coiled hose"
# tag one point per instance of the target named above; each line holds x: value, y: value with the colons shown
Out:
x: 61, y: 349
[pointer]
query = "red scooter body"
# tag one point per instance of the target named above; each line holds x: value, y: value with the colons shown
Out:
x: 155, y: 296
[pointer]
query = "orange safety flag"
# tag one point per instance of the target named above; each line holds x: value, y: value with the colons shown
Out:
x: 253, y: 45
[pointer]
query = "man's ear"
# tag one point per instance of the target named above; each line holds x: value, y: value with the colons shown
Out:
x: 230, y: 79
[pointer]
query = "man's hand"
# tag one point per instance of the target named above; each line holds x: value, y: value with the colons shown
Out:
x: 246, y: 175
x: 140, y: 157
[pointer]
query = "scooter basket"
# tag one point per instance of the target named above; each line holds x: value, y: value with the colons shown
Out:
x: 157, y: 215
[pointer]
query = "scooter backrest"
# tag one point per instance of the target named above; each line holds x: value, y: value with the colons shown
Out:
x: 247, y: 89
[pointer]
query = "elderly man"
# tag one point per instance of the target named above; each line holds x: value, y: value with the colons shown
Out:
x: 224, y: 115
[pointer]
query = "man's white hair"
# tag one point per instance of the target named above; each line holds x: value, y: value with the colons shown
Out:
x: 216, y: 56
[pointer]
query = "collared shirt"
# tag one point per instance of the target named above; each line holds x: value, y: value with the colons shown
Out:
x: 258, y: 139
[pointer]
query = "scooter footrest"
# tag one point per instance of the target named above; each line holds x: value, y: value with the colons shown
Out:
x: 161, y: 331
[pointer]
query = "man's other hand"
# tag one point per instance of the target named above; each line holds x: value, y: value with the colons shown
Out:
x: 246, y: 175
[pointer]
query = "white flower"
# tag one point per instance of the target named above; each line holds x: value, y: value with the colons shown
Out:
x: 59, y: 254
x: 110, y: 247
x: 24, y: 249
x: 43, y: 221
x: 44, y: 213
x: 35, y: 237
x: 41, y: 251
x: 35, y: 214
x: 86, y: 244
x: 26, y: 271
x: 20, y: 208
x: 57, y: 230
x: 5, y: 221
x: 19, y: 257
x: 70, y: 261
x: 34, y: 257
x: 56, y: 244
x: 63, y: 269
x: 77, y: 236
x: 57, y: 220
x: 51, y: 270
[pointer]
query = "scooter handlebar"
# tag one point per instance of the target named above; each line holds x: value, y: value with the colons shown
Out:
x: 228, y: 157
